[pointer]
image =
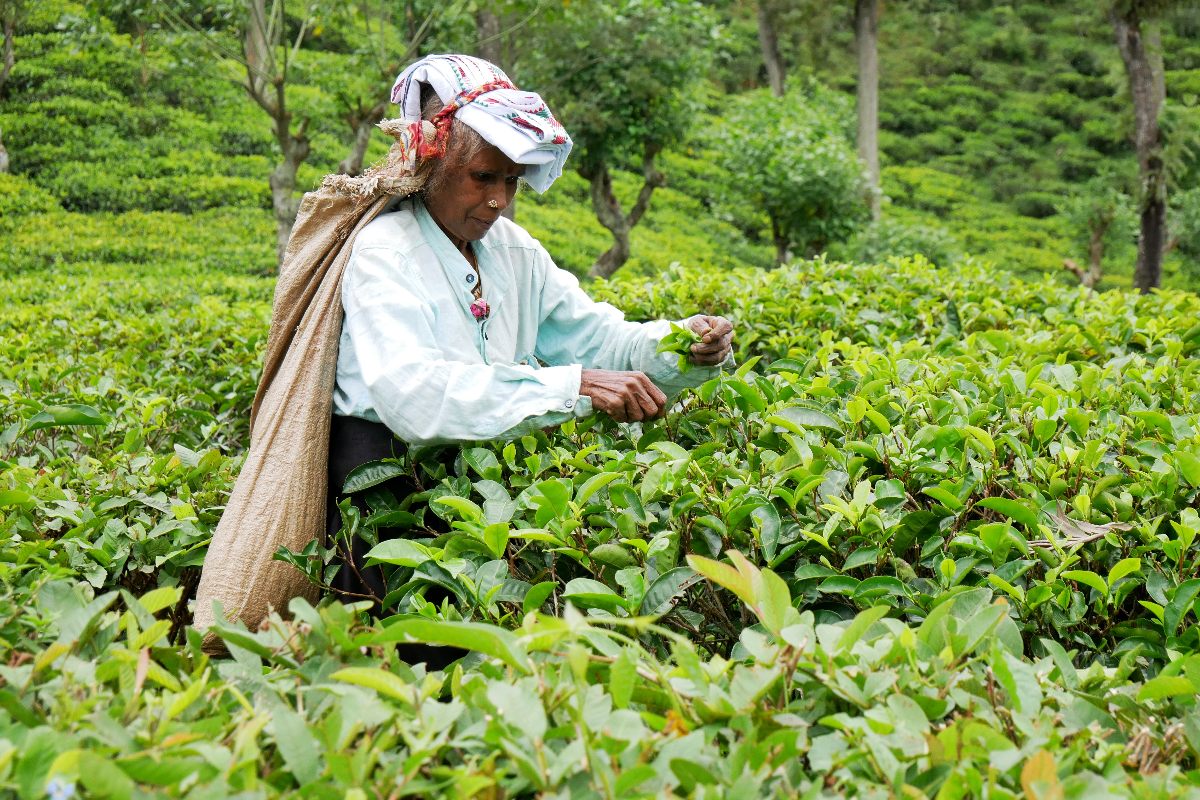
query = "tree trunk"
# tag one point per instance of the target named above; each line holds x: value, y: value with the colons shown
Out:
x: 1147, y: 274
x: 769, y: 42
x: 611, y: 216
x: 10, y: 57
x: 1096, y: 252
x: 489, y: 36
x: 266, y: 82
x: 613, y: 258
x: 608, y: 211
x: 1140, y: 49
x: 283, y: 190
x: 144, y: 66
x: 866, y: 19
x: 3, y: 156
x: 259, y: 52
x: 782, y: 245
x: 363, y: 124
x: 1089, y: 277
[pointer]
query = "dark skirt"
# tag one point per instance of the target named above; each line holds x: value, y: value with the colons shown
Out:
x: 352, y: 443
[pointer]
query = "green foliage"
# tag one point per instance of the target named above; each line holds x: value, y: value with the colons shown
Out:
x: 679, y: 341
x: 938, y: 529
x: 236, y: 240
x: 1184, y: 229
x: 1036, y: 204
x: 640, y: 89
x: 321, y: 705
x: 112, y: 469
x: 20, y: 197
x: 82, y: 190
x: 892, y: 236
x: 1100, y: 210
x: 805, y: 174
x: 937, y: 533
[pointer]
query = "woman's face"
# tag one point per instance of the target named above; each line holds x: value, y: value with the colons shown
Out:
x: 460, y: 205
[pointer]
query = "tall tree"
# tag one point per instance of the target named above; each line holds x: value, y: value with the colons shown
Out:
x: 268, y: 57
x: 768, y: 41
x: 794, y: 161
x: 623, y: 76
x: 1137, y: 34
x: 265, y: 51
x: 11, y: 14
x: 866, y: 36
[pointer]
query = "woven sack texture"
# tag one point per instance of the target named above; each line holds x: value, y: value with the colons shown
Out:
x: 278, y: 499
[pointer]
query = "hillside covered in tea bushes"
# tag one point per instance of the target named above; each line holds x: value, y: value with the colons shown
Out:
x: 997, y: 123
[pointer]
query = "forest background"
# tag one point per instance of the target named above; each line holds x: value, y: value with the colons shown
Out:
x: 1005, y: 131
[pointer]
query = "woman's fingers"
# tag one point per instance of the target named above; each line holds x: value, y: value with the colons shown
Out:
x: 625, y: 396
x: 707, y: 348
x: 701, y: 324
x: 652, y: 400
x: 716, y: 340
x: 644, y: 400
x: 709, y: 328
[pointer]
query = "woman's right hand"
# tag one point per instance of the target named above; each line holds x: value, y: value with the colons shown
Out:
x: 625, y: 396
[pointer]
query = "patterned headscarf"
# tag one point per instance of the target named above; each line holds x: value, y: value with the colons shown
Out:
x: 483, y: 97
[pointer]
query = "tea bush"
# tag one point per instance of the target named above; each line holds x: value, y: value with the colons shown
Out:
x: 895, y: 235
x: 222, y: 239
x: 20, y: 197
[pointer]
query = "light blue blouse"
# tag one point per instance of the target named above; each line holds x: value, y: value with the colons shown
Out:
x: 413, y: 357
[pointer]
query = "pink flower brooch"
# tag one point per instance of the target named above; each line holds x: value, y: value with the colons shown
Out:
x: 480, y: 309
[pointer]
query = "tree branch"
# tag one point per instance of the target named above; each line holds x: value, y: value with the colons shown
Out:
x: 652, y: 180
x: 604, y: 202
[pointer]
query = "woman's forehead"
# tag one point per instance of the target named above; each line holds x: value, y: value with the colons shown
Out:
x: 492, y: 159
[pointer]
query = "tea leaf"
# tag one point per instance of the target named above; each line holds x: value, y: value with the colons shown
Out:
x: 371, y: 474
x: 73, y: 414
x: 1012, y: 509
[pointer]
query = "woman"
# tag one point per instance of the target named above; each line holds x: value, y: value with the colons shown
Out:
x: 458, y: 326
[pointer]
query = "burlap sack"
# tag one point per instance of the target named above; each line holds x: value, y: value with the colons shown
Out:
x: 279, y: 496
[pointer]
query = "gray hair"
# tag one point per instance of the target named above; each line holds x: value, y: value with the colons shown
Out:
x: 463, y: 145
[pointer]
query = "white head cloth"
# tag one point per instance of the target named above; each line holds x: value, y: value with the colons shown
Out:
x: 516, y: 122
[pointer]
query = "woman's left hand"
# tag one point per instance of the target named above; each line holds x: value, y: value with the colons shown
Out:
x: 716, y: 340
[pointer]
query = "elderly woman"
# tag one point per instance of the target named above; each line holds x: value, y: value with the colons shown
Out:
x: 458, y: 326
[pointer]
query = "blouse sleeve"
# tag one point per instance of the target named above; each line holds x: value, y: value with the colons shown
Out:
x: 423, y: 396
x: 574, y: 329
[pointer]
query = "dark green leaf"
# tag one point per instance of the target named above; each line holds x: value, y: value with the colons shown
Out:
x: 371, y: 474
x: 64, y: 416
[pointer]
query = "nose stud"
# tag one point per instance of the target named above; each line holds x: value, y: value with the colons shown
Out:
x: 493, y: 204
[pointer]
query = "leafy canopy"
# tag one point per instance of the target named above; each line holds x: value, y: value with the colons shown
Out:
x: 794, y: 159
x: 620, y: 101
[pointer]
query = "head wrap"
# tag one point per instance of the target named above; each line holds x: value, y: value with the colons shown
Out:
x: 483, y: 97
